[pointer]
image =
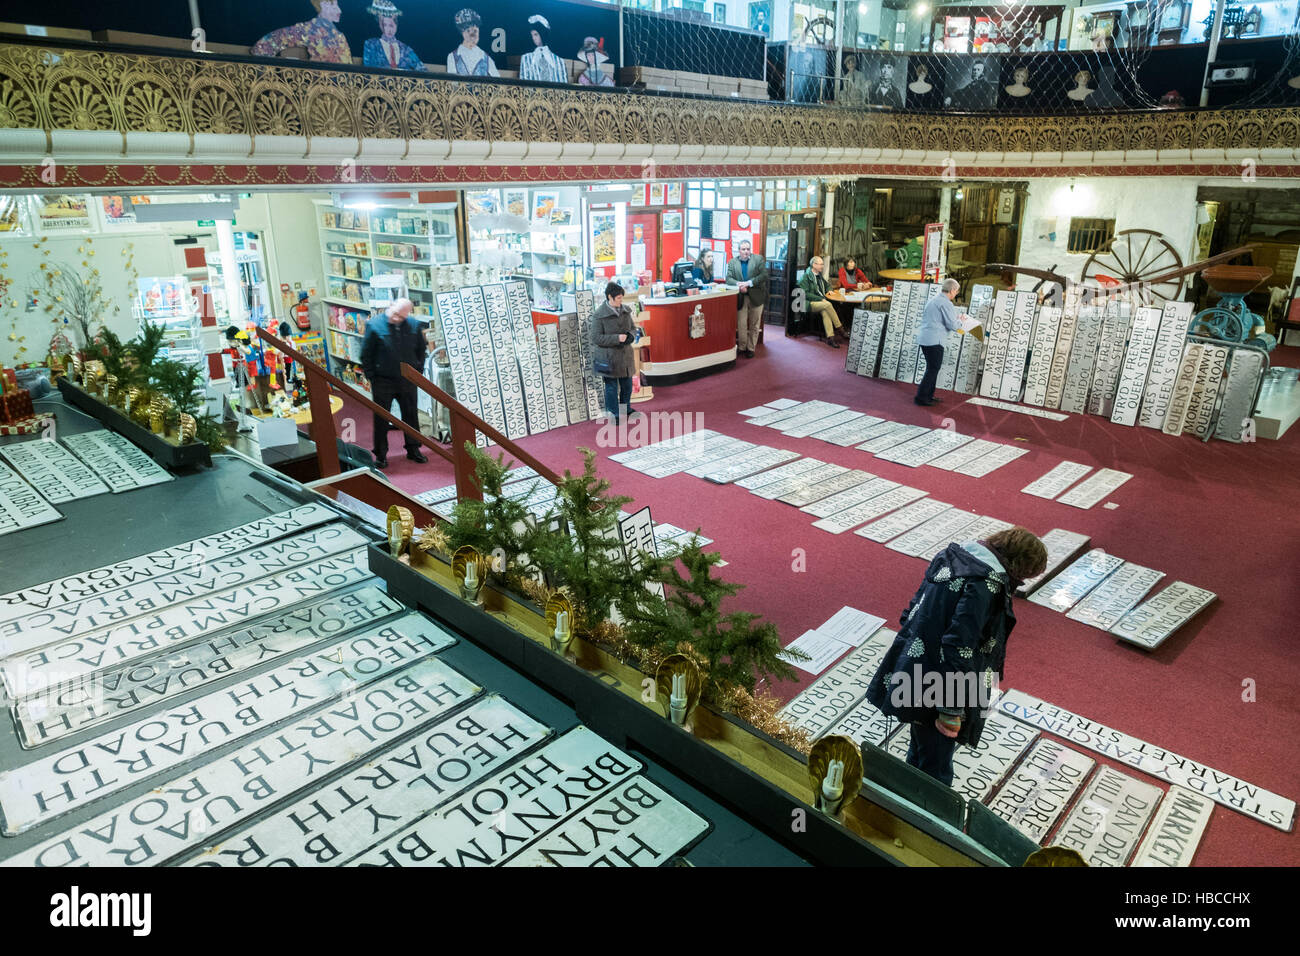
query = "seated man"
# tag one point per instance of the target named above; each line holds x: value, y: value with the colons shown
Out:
x: 814, y: 287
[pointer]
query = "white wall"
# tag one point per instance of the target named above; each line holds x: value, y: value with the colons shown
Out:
x: 1167, y: 205
x: 291, y: 239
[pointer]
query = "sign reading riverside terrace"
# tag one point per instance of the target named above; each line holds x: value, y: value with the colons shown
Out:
x: 109, y: 610
x: 86, y: 584
x: 1270, y: 808
x: 1037, y: 793
x: 106, y: 695
x: 513, y: 810
x: 1108, y: 818
x: 976, y: 771
x: 62, y: 781
x: 178, y: 624
x: 181, y: 813
x: 392, y: 790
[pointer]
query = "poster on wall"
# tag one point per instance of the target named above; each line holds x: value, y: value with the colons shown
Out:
x: 562, y: 216
x: 882, y: 79
x: 12, y: 221
x: 603, y: 247
x: 672, y: 221
x: 482, y: 202
x: 544, y: 204
x: 673, y: 194
x: 62, y: 212
x: 970, y: 84
x: 116, y: 212
x: 656, y: 194
x: 516, y: 202
x: 760, y: 16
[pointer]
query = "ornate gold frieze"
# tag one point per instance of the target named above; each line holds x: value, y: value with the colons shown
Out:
x: 50, y: 89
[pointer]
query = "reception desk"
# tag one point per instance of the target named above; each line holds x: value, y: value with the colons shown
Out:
x: 674, y: 355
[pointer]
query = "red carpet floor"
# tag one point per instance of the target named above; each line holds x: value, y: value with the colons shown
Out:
x: 1216, y: 515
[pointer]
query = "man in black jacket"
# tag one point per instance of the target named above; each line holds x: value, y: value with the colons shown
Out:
x: 392, y: 339
x: 947, y: 659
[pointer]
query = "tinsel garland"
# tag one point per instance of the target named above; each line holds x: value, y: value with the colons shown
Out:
x: 761, y: 711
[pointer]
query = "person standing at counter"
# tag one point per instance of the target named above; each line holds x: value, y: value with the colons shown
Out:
x: 612, y: 335
x: 814, y: 289
x: 937, y: 320
x: 749, y: 274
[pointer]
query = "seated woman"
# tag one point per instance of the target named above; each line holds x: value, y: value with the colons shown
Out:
x: 852, y: 278
x: 702, y: 273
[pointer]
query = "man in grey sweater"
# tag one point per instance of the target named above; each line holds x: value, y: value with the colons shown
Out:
x: 938, y: 319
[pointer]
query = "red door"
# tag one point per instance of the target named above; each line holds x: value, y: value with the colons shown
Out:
x: 643, y: 231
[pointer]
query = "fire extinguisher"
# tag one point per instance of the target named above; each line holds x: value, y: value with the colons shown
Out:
x: 302, y: 312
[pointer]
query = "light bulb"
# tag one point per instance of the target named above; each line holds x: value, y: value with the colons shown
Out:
x: 862, y: 9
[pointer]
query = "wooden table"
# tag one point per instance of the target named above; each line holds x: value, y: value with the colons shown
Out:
x: 905, y: 275
x: 304, y: 416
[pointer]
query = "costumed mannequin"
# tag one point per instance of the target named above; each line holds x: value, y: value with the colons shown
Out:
x: 469, y: 59
x: 1020, y: 86
x: 240, y: 351
x: 319, y: 36
x: 593, y: 55
x: 542, y: 64
x: 386, y: 49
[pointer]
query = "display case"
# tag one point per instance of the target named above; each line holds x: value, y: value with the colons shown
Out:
x: 167, y: 301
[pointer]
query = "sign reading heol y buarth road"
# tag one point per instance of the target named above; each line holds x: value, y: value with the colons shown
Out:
x: 106, y: 695
x: 1037, y: 793
x: 84, y: 584
x: 391, y: 791
x: 183, y: 812
x: 1108, y: 818
x: 180, y: 624
x: 109, y: 610
x: 69, y: 778
x: 515, y: 808
x: 1270, y: 808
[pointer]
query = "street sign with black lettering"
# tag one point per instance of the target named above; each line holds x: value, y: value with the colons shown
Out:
x: 1176, y: 831
x: 1108, y: 818
x: 20, y: 505
x: 1041, y: 787
x: 55, y: 472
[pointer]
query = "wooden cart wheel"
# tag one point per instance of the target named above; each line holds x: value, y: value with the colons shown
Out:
x: 1131, y: 258
x: 821, y: 30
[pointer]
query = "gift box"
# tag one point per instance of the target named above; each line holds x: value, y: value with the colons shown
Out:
x: 15, y: 405
x: 27, y: 426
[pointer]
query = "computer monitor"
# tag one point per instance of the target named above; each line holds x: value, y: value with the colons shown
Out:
x: 682, y: 270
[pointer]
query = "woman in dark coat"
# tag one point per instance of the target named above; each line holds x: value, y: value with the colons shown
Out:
x: 612, y: 335
x: 940, y: 671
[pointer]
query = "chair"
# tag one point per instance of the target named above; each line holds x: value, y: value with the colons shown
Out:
x: 1290, y: 318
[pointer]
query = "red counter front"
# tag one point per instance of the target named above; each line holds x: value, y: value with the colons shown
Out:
x: 672, y: 351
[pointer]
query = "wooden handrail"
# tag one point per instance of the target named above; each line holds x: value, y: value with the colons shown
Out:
x: 458, y: 410
x: 333, y: 380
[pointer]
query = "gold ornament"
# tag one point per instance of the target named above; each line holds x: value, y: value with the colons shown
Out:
x: 470, y: 569
x: 838, y: 758
x: 133, y: 396
x: 680, y: 680
x: 432, y: 539
x: 112, y: 394
x: 401, y: 525
x: 188, y: 427
x: 559, y: 621
x: 158, y: 414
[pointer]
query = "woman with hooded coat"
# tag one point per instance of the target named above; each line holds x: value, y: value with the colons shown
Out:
x: 612, y: 335
x: 947, y: 658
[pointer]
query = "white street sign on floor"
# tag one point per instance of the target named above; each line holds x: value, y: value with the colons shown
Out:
x: 1222, y: 788
x: 1092, y: 490
x: 873, y: 507
x: 1073, y: 584
x: 1036, y: 794
x: 838, y: 691
x: 1062, y: 546
x: 120, y: 464
x: 977, y: 771
x: 1152, y: 622
x: 1115, y: 596
x: 1057, y: 480
x: 1175, y: 833
x: 906, y: 519
x: 1108, y: 818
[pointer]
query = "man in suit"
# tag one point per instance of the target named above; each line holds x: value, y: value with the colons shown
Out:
x: 392, y: 339
x: 749, y: 273
x: 883, y: 92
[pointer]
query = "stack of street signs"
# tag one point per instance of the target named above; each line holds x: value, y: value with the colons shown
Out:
x: 1116, y: 596
x: 886, y: 498
x: 1062, y: 547
x: 829, y: 699
x: 1036, y: 794
x: 166, y: 561
x: 63, y: 780
x: 1107, y: 820
x: 906, y: 519
x: 1222, y: 788
x: 588, y: 787
x: 1073, y: 584
x: 1092, y: 490
x: 119, y: 463
x: 1149, y: 624
x: 978, y: 771
x: 20, y: 506
x: 52, y: 470
x: 1023, y: 410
